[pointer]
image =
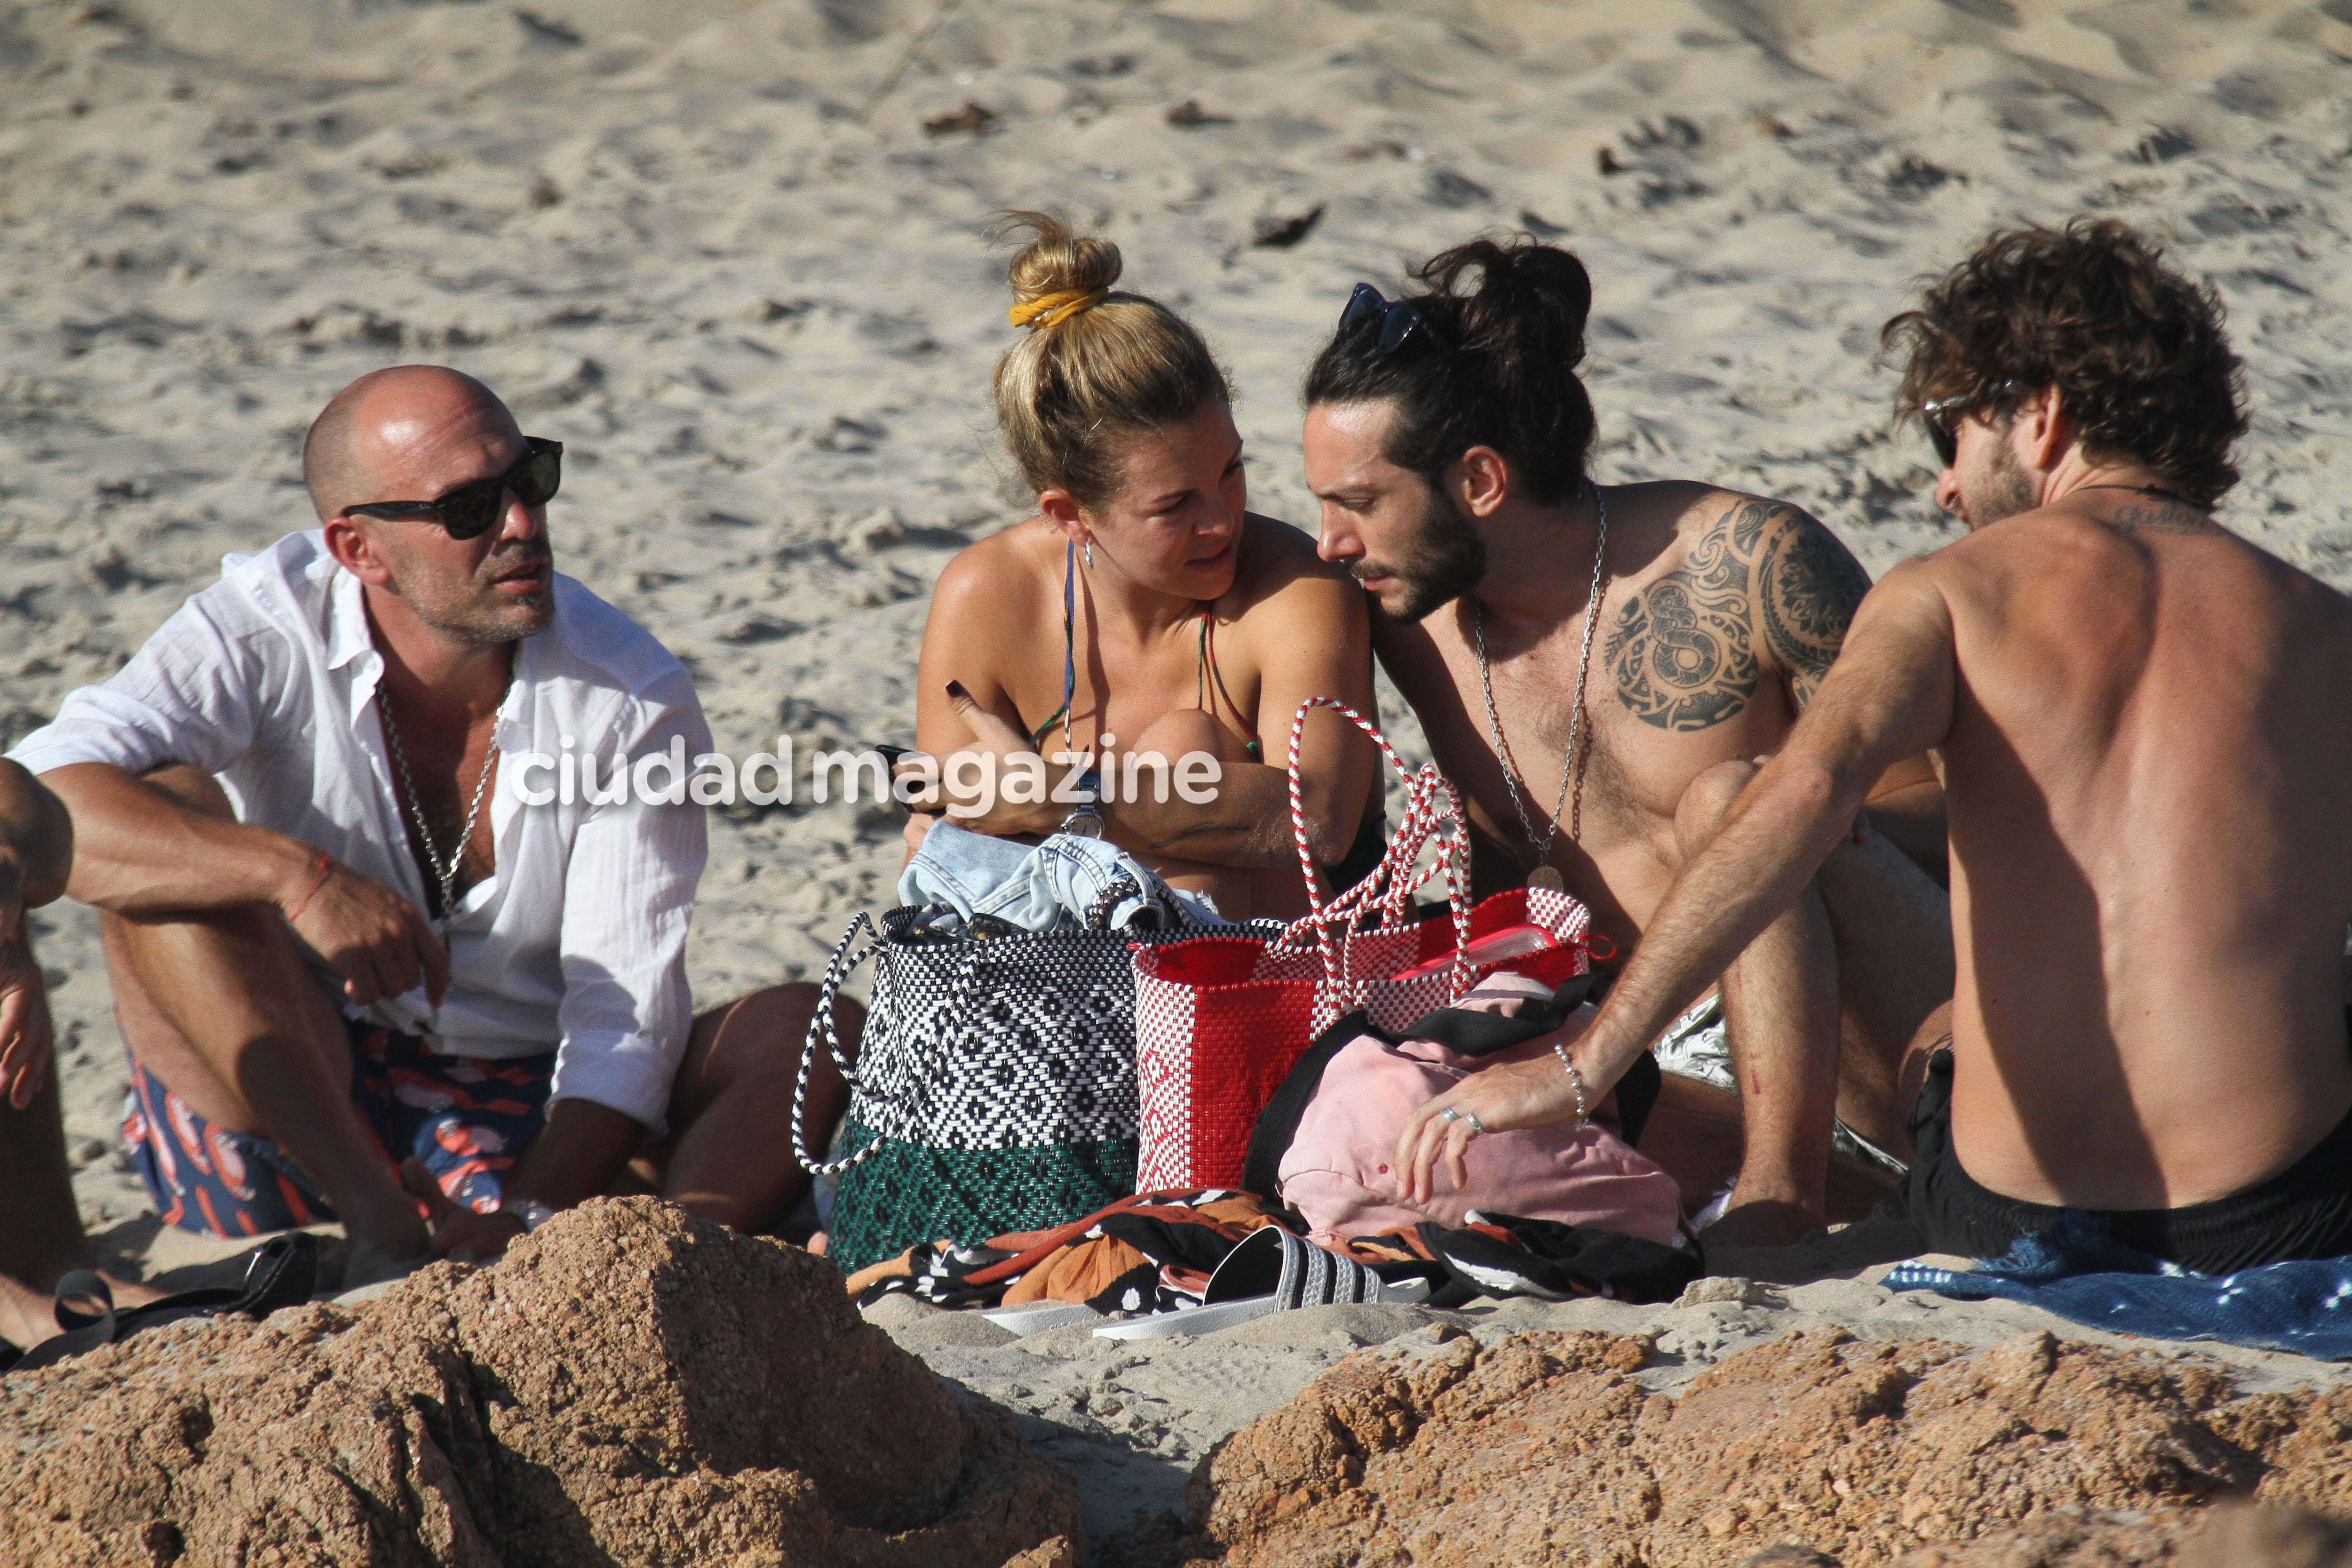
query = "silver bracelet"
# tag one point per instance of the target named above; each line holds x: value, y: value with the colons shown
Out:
x: 1575, y: 1081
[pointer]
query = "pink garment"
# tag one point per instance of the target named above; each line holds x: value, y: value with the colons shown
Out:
x: 1336, y: 1171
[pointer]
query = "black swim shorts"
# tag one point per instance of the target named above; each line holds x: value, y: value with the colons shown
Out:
x: 2305, y: 1211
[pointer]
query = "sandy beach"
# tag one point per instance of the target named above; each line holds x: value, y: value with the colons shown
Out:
x: 734, y: 256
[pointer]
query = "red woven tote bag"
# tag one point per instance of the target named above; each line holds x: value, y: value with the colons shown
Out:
x: 1219, y: 1021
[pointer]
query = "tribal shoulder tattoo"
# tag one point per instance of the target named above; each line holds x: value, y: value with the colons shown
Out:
x: 1685, y: 650
x: 1809, y: 589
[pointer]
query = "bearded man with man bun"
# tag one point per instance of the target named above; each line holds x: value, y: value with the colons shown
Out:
x: 1600, y: 667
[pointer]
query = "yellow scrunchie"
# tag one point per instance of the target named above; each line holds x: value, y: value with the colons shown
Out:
x: 1053, y: 310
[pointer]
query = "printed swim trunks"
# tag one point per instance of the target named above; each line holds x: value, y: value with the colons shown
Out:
x: 469, y: 1118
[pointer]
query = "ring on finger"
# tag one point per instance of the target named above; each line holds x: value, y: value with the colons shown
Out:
x: 1448, y: 1113
x: 1476, y: 1126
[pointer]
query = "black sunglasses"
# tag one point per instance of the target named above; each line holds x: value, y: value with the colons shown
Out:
x: 1942, y: 418
x: 468, y: 512
x: 1398, y: 319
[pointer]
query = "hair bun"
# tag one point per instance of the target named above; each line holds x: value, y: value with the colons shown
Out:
x: 1056, y: 260
x: 1497, y: 367
x: 1531, y: 300
x: 1548, y: 270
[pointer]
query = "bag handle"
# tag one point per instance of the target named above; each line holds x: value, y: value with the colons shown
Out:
x: 1433, y: 814
x: 838, y: 968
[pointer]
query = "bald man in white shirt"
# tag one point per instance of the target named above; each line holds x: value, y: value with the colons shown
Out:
x: 360, y: 978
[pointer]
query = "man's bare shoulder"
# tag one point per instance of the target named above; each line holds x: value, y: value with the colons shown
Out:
x: 1747, y: 586
x: 2077, y: 536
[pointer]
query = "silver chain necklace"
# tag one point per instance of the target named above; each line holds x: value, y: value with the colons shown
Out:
x: 444, y: 872
x: 1545, y: 875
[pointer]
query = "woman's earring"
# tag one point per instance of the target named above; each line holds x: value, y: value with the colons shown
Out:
x: 1090, y: 554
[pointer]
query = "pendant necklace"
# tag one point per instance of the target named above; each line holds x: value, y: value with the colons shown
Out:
x: 444, y: 871
x: 1572, y: 768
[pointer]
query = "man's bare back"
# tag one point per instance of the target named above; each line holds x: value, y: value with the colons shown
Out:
x: 2150, y: 774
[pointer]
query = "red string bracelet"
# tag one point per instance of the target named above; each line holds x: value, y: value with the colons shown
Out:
x: 326, y: 865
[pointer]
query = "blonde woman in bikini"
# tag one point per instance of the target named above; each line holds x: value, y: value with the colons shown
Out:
x: 1144, y: 611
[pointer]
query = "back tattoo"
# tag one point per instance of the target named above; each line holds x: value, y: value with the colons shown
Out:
x: 1683, y: 650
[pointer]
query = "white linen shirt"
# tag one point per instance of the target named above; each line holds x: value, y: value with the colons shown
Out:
x: 576, y: 941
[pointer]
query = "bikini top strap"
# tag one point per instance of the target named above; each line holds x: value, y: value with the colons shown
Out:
x: 1069, y: 629
x: 1206, y: 671
x: 1069, y: 649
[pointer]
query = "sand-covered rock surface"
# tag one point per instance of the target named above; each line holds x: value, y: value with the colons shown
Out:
x: 1549, y: 1447
x: 1135, y: 1422
x: 628, y: 1387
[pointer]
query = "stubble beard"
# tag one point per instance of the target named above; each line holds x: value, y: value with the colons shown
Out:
x: 1445, y: 559
x: 478, y: 615
x: 2007, y: 490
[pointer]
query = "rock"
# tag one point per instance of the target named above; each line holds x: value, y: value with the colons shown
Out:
x: 2073, y: 1538
x: 2237, y: 1537
x: 629, y: 1386
x: 1818, y: 1446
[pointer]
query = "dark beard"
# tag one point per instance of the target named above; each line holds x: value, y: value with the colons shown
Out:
x: 1445, y: 561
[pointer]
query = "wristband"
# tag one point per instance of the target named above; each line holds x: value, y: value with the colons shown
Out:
x: 1575, y: 1081
x: 326, y: 867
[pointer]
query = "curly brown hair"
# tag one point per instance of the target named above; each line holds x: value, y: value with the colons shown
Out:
x: 2137, y: 351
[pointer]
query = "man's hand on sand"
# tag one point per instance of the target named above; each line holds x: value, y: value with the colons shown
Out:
x: 377, y: 940
x: 26, y: 1033
x: 458, y: 1234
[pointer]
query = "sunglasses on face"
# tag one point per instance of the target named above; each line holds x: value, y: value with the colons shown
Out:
x: 1398, y: 319
x: 1942, y: 418
x: 468, y: 511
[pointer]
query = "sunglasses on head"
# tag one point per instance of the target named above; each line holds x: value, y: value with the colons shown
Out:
x: 468, y: 511
x: 1942, y: 418
x: 1398, y: 319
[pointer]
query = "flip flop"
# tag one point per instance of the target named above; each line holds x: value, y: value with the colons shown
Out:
x: 278, y: 1273
x: 1039, y: 1316
x: 1269, y: 1271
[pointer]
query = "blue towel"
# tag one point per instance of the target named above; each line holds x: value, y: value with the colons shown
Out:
x: 2078, y: 1270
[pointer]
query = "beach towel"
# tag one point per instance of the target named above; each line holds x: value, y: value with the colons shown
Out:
x: 1157, y: 1253
x: 1137, y: 1255
x: 2078, y: 1270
